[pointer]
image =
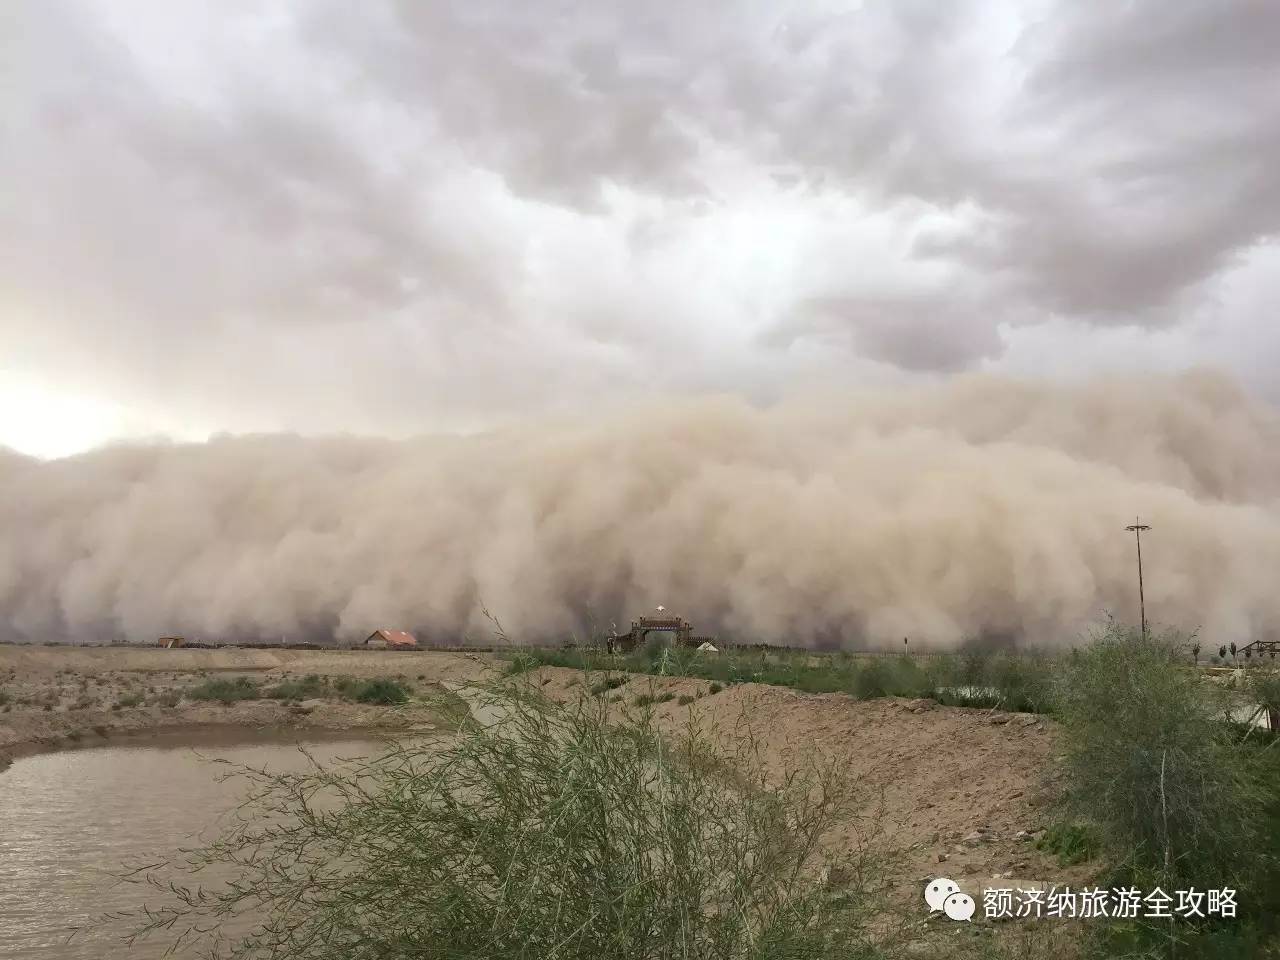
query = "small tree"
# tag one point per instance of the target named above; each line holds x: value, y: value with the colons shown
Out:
x: 1195, y: 653
x: 1233, y: 650
x: 1153, y: 764
x: 1222, y: 653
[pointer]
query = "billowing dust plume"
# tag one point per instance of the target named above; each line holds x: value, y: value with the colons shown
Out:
x: 978, y: 507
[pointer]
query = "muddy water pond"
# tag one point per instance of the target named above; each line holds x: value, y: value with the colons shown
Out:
x: 69, y: 819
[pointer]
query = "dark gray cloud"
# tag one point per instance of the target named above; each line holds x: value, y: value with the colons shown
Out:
x: 424, y: 215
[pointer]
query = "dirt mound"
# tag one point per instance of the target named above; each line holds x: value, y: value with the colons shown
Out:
x: 955, y: 791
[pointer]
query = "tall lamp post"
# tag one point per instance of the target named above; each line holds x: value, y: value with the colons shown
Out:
x: 1137, y: 527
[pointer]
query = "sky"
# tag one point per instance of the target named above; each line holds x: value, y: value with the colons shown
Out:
x: 397, y: 218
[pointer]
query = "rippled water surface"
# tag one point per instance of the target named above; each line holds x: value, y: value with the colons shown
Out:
x: 68, y: 818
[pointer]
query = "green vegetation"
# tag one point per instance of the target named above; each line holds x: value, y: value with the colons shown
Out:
x: 1151, y: 759
x: 1178, y: 797
x: 607, y: 684
x: 225, y: 691
x: 310, y: 687
x: 649, y: 699
x: 521, y: 661
x: 381, y: 691
x: 1263, y: 687
x: 1070, y: 842
x: 129, y: 700
x: 1006, y: 681
x: 550, y: 834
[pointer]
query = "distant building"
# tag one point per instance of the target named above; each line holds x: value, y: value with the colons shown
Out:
x: 390, y: 640
x: 170, y: 642
x: 675, y: 631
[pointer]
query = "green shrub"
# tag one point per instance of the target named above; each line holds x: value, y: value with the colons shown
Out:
x: 1182, y: 798
x: 685, y: 699
x: 1263, y: 687
x: 647, y: 699
x: 550, y: 833
x: 1152, y: 762
x: 520, y: 662
x: 655, y: 648
x: 973, y: 668
x: 607, y: 684
x: 382, y: 690
x: 347, y: 686
x: 875, y: 679
x: 1070, y: 842
x: 130, y: 700
x: 224, y: 691
x: 909, y: 679
x: 1021, y: 683
x: 714, y: 689
x: 308, y: 688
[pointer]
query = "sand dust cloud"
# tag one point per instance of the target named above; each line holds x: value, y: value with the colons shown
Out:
x: 975, y: 507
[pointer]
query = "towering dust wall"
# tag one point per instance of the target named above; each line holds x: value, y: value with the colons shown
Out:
x: 980, y: 505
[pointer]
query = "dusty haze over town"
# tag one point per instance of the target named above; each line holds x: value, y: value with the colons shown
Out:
x: 818, y: 323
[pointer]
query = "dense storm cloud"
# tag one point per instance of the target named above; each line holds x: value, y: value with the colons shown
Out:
x: 796, y: 319
x: 985, y: 506
x: 433, y: 216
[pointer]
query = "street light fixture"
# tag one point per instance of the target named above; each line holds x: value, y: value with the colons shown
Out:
x: 1137, y: 527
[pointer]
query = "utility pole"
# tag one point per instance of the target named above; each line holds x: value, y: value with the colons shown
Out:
x: 1137, y: 527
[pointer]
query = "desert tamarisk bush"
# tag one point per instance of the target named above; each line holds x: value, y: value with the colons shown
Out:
x: 540, y: 831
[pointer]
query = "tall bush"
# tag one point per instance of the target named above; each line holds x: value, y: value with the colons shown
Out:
x: 553, y: 832
x: 1153, y: 762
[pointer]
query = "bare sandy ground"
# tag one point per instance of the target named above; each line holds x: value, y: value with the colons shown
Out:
x: 92, y: 661
x: 59, y: 697
x: 954, y: 792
